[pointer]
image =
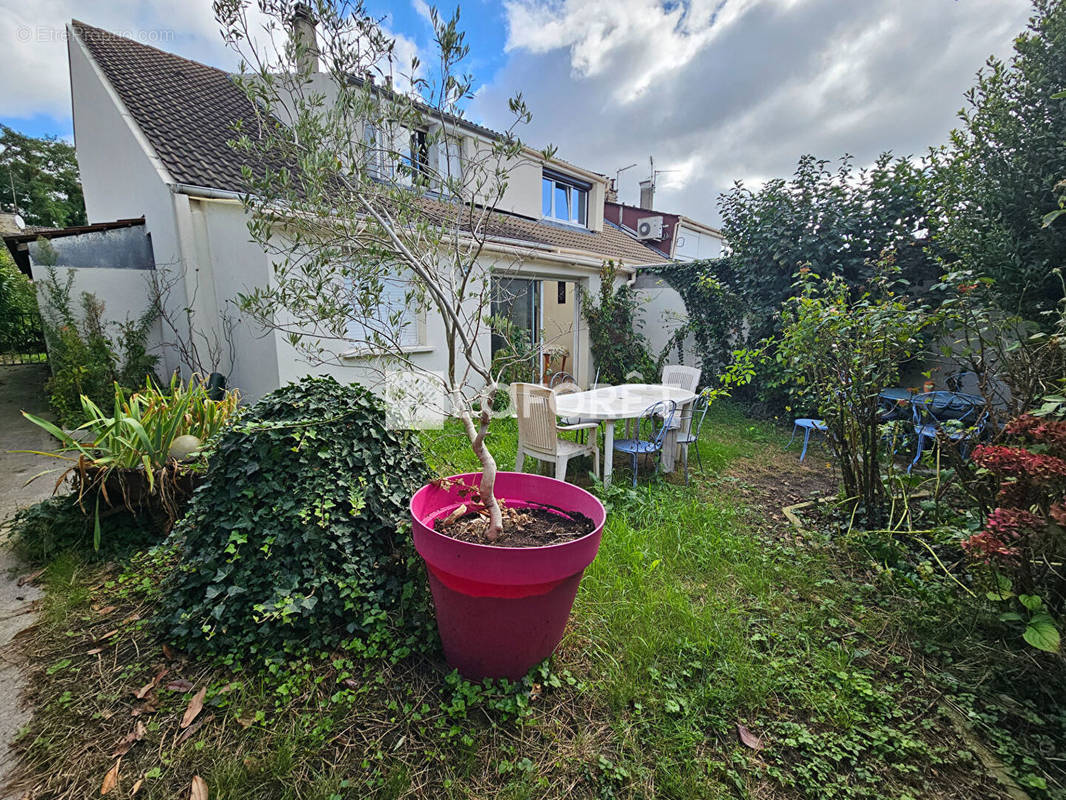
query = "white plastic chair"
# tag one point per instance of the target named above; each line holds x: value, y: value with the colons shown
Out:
x: 687, y: 378
x: 538, y: 431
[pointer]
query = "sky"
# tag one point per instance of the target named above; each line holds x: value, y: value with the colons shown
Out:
x: 714, y: 90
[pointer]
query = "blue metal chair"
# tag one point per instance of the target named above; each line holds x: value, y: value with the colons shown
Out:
x: 808, y: 425
x: 687, y: 436
x: 931, y: 410
x: 654, y: 422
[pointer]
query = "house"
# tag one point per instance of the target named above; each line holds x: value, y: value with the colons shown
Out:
x: 676, y: 238
x: 151, y: 131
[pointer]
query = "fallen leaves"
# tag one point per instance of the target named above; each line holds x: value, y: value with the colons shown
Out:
x: 136, y: 786
x: 31, y: 577
x: 180, y: 685
x: 749, y: 739
x: 149, y: 706
x: 189, y: 732
x: 131, y: 739
x: 196, y: 705
x: 110, y: 779
x: 198, y: 790
x: 142, y: 693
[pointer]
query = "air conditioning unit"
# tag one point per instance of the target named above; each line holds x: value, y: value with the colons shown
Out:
x: 650, y: 228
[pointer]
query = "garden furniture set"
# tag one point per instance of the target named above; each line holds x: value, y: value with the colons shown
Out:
x: 957, y: 415
x: 658, y: 421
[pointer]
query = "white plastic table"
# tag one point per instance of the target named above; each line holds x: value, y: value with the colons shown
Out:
x: 628, y: 401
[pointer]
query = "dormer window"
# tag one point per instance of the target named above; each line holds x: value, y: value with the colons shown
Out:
x: 564, y: 198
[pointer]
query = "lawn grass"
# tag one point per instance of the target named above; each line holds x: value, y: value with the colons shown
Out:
x: 700, y: 614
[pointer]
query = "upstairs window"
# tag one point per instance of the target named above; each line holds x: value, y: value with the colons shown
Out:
x: 565, y: 199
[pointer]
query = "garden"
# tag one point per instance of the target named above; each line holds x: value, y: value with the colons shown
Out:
x: 268, y: 599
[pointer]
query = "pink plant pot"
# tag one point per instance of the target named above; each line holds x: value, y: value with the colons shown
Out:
x: 501, y: 610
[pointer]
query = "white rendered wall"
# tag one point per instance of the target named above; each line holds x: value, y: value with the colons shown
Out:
x: 692, y: 244
x: 120, y: 181
x: 662, y: 312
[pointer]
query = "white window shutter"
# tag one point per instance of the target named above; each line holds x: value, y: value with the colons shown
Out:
x: 403, y: 329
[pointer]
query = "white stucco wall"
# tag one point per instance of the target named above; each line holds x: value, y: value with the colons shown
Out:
x: 120, y: 179
x: 691, y: 244
x: 662, y: 312
x: 124, y: 293
x: 205, y: 243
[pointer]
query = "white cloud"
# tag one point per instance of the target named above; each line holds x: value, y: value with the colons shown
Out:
x: 721, y: 89
x: 33, y: 38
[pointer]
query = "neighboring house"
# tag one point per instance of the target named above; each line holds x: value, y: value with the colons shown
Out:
x: 151, y: 131
x: 676, y: 238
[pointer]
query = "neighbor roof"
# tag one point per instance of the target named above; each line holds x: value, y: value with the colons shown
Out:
x: 187, y: 111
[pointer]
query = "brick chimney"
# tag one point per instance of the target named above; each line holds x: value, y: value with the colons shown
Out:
x: 612, y: 191
x: 647, y: 195
x: 304, y: 36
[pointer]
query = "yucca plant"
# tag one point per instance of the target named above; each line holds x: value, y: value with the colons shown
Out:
x: 124, y: 459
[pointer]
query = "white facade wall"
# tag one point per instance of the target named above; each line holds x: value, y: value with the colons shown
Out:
x: 120, y: 180
x: 205, y: 244
x: 662, y: 312
x: 692, y: 244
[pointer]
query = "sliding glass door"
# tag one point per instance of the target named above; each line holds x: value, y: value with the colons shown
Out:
x: 516, y: 328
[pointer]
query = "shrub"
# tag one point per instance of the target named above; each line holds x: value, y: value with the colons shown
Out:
x: 1022, y: 539
x: 17, y: 298
x: 838, y: 351
x: 294, y: 536
x: 123, y: 459
x: 618, y: 347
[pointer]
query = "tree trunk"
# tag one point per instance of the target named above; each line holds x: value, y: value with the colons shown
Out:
x: 488, y: 468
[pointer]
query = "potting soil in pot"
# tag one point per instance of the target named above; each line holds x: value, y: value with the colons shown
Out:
x: 526, y: 526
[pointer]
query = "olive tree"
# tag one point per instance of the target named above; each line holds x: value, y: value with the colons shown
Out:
x: 372, y: 197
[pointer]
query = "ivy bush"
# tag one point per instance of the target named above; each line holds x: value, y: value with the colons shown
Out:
x: 296, y: 536
x: 618, y: 347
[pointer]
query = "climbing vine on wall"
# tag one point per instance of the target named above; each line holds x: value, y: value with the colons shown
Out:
x: 618, y: 347
x: 715, y: 314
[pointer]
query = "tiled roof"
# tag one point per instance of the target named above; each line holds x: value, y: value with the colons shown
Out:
x: 610, y: 243
x: 187, y: 110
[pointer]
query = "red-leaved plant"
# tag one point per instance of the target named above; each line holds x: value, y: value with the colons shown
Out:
x: 1024, y: 537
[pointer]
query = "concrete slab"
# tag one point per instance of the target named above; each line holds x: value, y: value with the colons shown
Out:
x: 21, y: 389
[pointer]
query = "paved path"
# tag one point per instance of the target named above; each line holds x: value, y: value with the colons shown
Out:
x: 21, y: 389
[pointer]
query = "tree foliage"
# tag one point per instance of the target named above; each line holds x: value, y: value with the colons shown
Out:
x: 838, y: 222
x: 39, y: 179
x: 841, y: 347
x: 374, y: 199
x: 996, y: 179
x: 835, y: 221
x: 18, y: 301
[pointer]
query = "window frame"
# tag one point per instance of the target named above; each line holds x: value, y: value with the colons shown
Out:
x: 574, y: 188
